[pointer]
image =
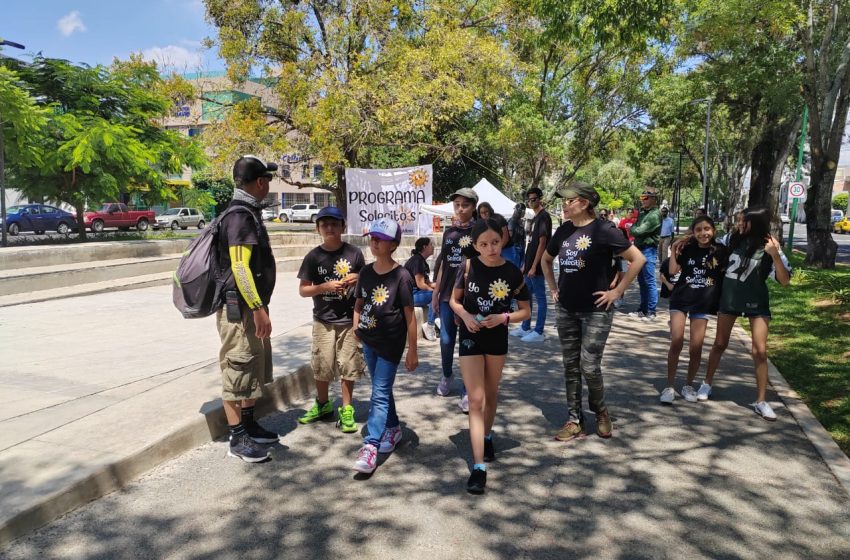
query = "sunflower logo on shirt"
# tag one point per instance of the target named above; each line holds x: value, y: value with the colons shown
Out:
x: 498, y: 289
x: 341, y: 268
x: 709, y: 282
x: 368, y: 322
x: 465, y: 241
x: 380, y: 295
x: 583, y: 243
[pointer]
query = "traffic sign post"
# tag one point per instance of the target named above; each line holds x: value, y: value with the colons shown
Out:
x: 796, y: 192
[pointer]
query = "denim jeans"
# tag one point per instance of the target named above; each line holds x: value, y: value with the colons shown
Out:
x: 382, y: 414
x: 422, y: 298
x: 448, y: 337
x: 583, y: 337
x: 537, y: 286
x: 646, y: 280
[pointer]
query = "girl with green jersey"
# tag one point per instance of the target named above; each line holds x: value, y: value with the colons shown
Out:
x: 754, y: 256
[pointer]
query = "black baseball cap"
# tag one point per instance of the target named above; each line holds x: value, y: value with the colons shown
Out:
x: 579, y: 189
x: 249, y: 168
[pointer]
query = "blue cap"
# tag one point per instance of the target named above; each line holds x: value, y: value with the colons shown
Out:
x: 385, y: 229
x: 330, y: 212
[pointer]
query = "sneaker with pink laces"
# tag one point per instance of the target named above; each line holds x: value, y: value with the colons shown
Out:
x: 367, y: 459
x: 390, y: 439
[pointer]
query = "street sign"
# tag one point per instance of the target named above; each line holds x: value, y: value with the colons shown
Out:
x: 796, y: 190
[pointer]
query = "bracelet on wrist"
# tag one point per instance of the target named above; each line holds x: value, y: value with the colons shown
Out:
x: 507, y: 317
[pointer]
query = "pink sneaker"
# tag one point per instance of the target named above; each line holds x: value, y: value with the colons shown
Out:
x: 390, y: 439
x: 366, y: 459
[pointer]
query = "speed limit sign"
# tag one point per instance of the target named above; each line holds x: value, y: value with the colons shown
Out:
x: 796, y: 190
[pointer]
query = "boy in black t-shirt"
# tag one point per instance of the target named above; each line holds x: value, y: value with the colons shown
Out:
x: 538, y: 238
x: 328, y: 275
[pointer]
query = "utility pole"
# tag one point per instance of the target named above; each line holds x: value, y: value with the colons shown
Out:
x: 799, y: 177
x: 4, y: 241
x: 707, y: 101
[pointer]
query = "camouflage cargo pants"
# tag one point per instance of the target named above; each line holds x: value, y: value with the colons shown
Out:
x: 583, y: 337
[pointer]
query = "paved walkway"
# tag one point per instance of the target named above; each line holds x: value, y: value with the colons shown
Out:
x: 690, y: 481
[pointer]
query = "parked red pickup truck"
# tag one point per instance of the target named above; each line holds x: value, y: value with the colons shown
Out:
x: 116, y: 214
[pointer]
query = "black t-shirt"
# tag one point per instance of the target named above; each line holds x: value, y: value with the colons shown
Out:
x: 457, y: 244
x: 239, y: 228
x: 698, y: 286
x: 417, y: 264
x: 382, y: 325
x: 503, y: 225
x: 541, y: 226
x: 488, y: 290
x: 321, y: 266
x: 585, y: 260
x: 665, y: 272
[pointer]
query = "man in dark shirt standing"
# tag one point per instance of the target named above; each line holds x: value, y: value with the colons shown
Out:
x: 541, y: 232
x: 646, y: 231
x: 243, y: 324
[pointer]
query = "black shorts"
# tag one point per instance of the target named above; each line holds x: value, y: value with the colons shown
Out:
x: 491, y: 342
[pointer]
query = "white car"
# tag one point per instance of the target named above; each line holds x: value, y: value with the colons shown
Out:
x: 783, y: 218
x: 269, y: 214
x: 299, y: 213
x: 181, y: 218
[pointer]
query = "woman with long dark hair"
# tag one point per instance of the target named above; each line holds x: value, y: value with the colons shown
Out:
x: 754, y: 256
x: 423, y: 288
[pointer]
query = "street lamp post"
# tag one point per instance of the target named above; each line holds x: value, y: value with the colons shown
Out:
x: 3, y: 239
x: 707, y: 101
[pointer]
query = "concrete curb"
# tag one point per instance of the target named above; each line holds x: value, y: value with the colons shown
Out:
x: 282, y: 392
x: 835, y: 459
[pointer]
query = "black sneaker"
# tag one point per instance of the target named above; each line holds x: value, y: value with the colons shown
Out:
x: 477, y: 481
x: 489, y: 450
x: 246, y: 449
x: 260, y: 434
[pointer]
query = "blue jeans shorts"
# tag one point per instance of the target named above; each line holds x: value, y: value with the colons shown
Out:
x: 690, y: 314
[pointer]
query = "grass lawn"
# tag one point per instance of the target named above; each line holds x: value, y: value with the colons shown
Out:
x: 809, y: 342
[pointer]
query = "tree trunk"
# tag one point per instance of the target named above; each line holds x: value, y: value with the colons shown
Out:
x: 820, y: 247
x: 339, y: 190
x: 81, y: 225
x: 768, y: 160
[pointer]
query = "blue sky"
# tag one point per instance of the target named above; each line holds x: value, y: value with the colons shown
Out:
x: 96, y: 31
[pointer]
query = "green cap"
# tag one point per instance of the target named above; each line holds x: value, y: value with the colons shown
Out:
x: 578, y: 189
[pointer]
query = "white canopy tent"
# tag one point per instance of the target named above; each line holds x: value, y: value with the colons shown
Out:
x: 486, y: 193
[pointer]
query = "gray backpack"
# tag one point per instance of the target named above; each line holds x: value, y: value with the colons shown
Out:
x: 198, y: 280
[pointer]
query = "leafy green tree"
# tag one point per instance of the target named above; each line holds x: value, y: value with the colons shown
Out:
x: 220, y: 189
x: 103, y: 137
x: 839, y: 202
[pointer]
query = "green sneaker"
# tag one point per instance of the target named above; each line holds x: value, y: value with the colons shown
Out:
x: 318, y: 412
x: 345, y: 422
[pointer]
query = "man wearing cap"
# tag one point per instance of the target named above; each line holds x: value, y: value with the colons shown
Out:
x: 243, y: 325
x: 541, y: 232
x: 667, y: 227
x: 646, y: 231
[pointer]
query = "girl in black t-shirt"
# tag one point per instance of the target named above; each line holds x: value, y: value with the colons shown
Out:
x: 383, y: 315
x: 481, y: 299
x: 423, y: 288
x: 585, y: 293
x: 700, y: 263
x: 457, y: 244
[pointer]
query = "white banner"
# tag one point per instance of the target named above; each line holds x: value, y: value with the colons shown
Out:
x: 389, y: 193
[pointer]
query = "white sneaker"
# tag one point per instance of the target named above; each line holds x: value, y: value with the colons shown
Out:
x: 648, y: 317
x: 763, y: 409
x: 464, y: 403
x: 429, y: 332
x: 533, y: 336
x: 689, y: 394
x: 637, y: 314
x: 438, y: 323
x: 444, y: 387
x: 518, y: 331
x: 367, y: 459
x: 668, y: 395
x: 390, y: 439
x: 704, y: 391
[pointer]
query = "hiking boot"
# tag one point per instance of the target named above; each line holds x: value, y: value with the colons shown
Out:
x: 764, y: 410
x: 390, y: 439
x: 704, y: 392
x: 345, y: 419
x: 689, y: 394
x: 429, y: 332
x: 477, y: 481
x: 603, y: 424
x: 571, y: 430
x: 317, y: 412
x: 367, y: 459
x: 489, y: 450
x: 243, y: 447
x: 464, y: 403
x: 444, y: 387
x: 668, y: 395
x: 260, y: 434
